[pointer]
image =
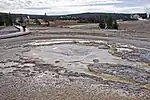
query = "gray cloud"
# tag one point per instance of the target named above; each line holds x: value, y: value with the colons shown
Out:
x: 72, y: 6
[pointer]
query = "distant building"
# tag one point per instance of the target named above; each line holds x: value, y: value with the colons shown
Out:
x: 148, y: 15
x: 135, y: 16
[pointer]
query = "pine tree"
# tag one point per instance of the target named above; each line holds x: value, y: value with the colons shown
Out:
x: 102, y: 25
x: 109, y: 22
x: 1, y: 20
x: 46, y: 20
x: 6, y: 19
x: 21, y: 19
x: 102, y: 21
x: 37, y: 22
x: 10, y: 19
x: 115, y: 25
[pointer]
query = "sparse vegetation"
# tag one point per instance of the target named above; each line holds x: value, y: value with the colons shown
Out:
x: 47, y: 23
x: 115, y: 25
x: 8, y: 19
x: 102, y: 25
x: 1, y: 20
x: 105, y: 22
x: 109, y: 22
x: 37, y: 22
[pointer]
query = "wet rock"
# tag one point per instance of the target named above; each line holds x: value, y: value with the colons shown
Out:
x: 128, y: 72
x: 57, y: 61
x: 95, y: 60
x: 1, y: 73
x: 133, y: 54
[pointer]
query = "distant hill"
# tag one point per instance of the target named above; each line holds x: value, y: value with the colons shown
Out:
x: 14, y: 16
x: 113, y: 15
x: 77, y: 16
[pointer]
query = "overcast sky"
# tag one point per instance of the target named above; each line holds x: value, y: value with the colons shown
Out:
x: 55, y: 7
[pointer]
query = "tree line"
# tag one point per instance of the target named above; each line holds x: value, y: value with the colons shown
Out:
x: 105, y: 22
x: 6, y: 19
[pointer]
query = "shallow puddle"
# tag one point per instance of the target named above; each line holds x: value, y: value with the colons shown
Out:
x: 74, y: 57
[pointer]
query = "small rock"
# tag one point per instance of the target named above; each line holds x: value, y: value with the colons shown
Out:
x: 95, y: 60
x: 57, y: 61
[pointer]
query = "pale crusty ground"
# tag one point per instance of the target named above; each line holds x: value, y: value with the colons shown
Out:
x: 45, y: 83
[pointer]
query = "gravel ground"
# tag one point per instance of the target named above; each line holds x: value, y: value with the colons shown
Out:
x: 8, y: 30
x: 28, y: 77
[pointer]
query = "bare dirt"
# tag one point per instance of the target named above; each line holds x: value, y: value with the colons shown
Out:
x: 76, y: 63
